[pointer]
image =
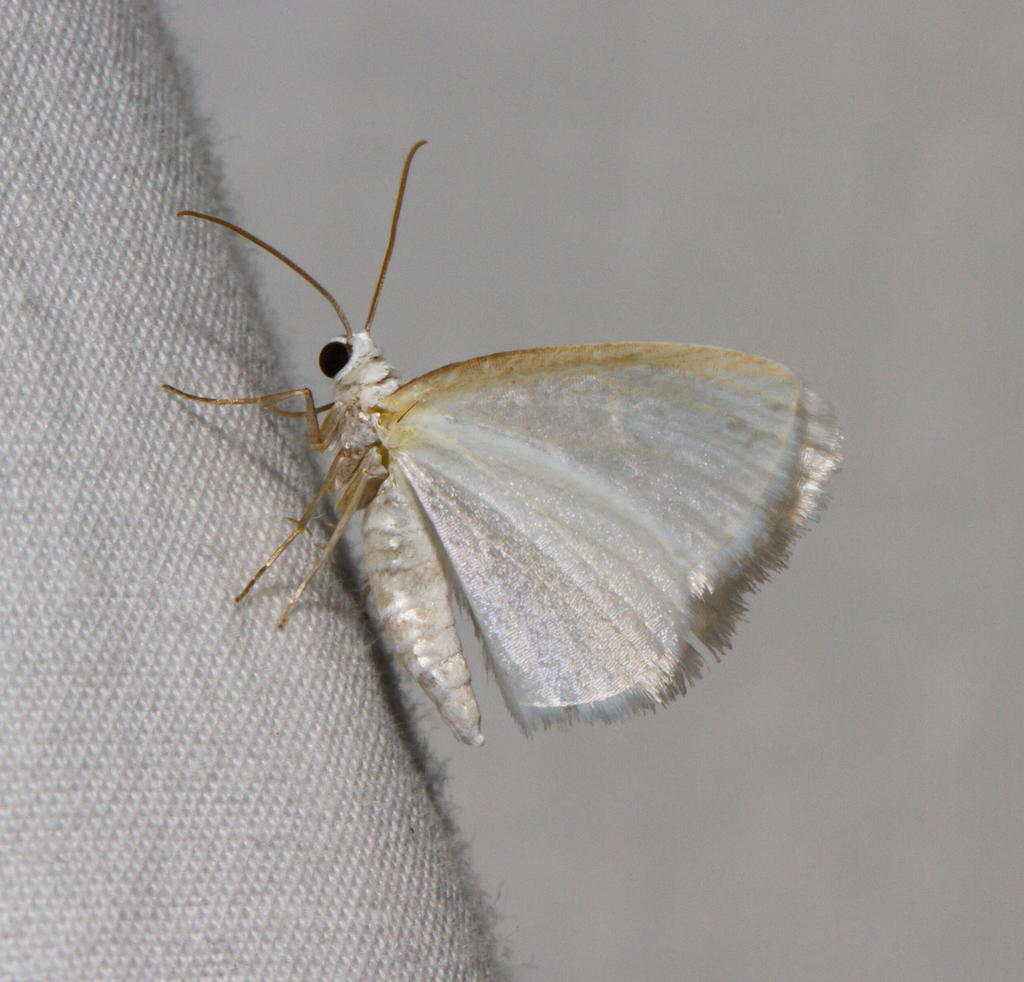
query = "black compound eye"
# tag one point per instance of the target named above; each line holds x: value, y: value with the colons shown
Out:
x: 334, y: 357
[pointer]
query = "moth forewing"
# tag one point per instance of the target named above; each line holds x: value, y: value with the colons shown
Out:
x: 597, y: 504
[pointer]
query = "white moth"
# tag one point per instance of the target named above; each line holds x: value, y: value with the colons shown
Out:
x: 598, y: 509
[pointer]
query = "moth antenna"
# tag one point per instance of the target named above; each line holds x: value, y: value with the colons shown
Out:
x: 394, y: 232
x: 280, y: 255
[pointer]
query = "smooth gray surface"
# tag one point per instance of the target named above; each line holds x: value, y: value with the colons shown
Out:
x: 840, y: 189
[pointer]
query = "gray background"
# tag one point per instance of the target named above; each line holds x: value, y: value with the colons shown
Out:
x: 838, y: 189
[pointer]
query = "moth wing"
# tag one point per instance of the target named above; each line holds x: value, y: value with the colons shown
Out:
x: 596, y: 506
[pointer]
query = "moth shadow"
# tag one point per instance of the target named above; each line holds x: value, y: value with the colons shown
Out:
x: 243, y: 447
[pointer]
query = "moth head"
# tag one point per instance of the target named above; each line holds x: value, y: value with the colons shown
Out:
x: 334, y: 356
x: 353, y: 361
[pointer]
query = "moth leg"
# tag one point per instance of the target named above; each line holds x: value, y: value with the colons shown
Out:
x: 317, y: 439
x: 300, y: 524
x: 305, y: 528
x: 351, y: 499
x: 316, y: 545
x: 310, y: 413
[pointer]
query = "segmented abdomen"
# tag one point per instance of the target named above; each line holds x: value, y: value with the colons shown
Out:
x: 411, y: 594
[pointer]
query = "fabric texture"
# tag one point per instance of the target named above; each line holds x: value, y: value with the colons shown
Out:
x: 187, y: 792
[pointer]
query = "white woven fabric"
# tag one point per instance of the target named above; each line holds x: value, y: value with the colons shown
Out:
x: 187, y: 793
